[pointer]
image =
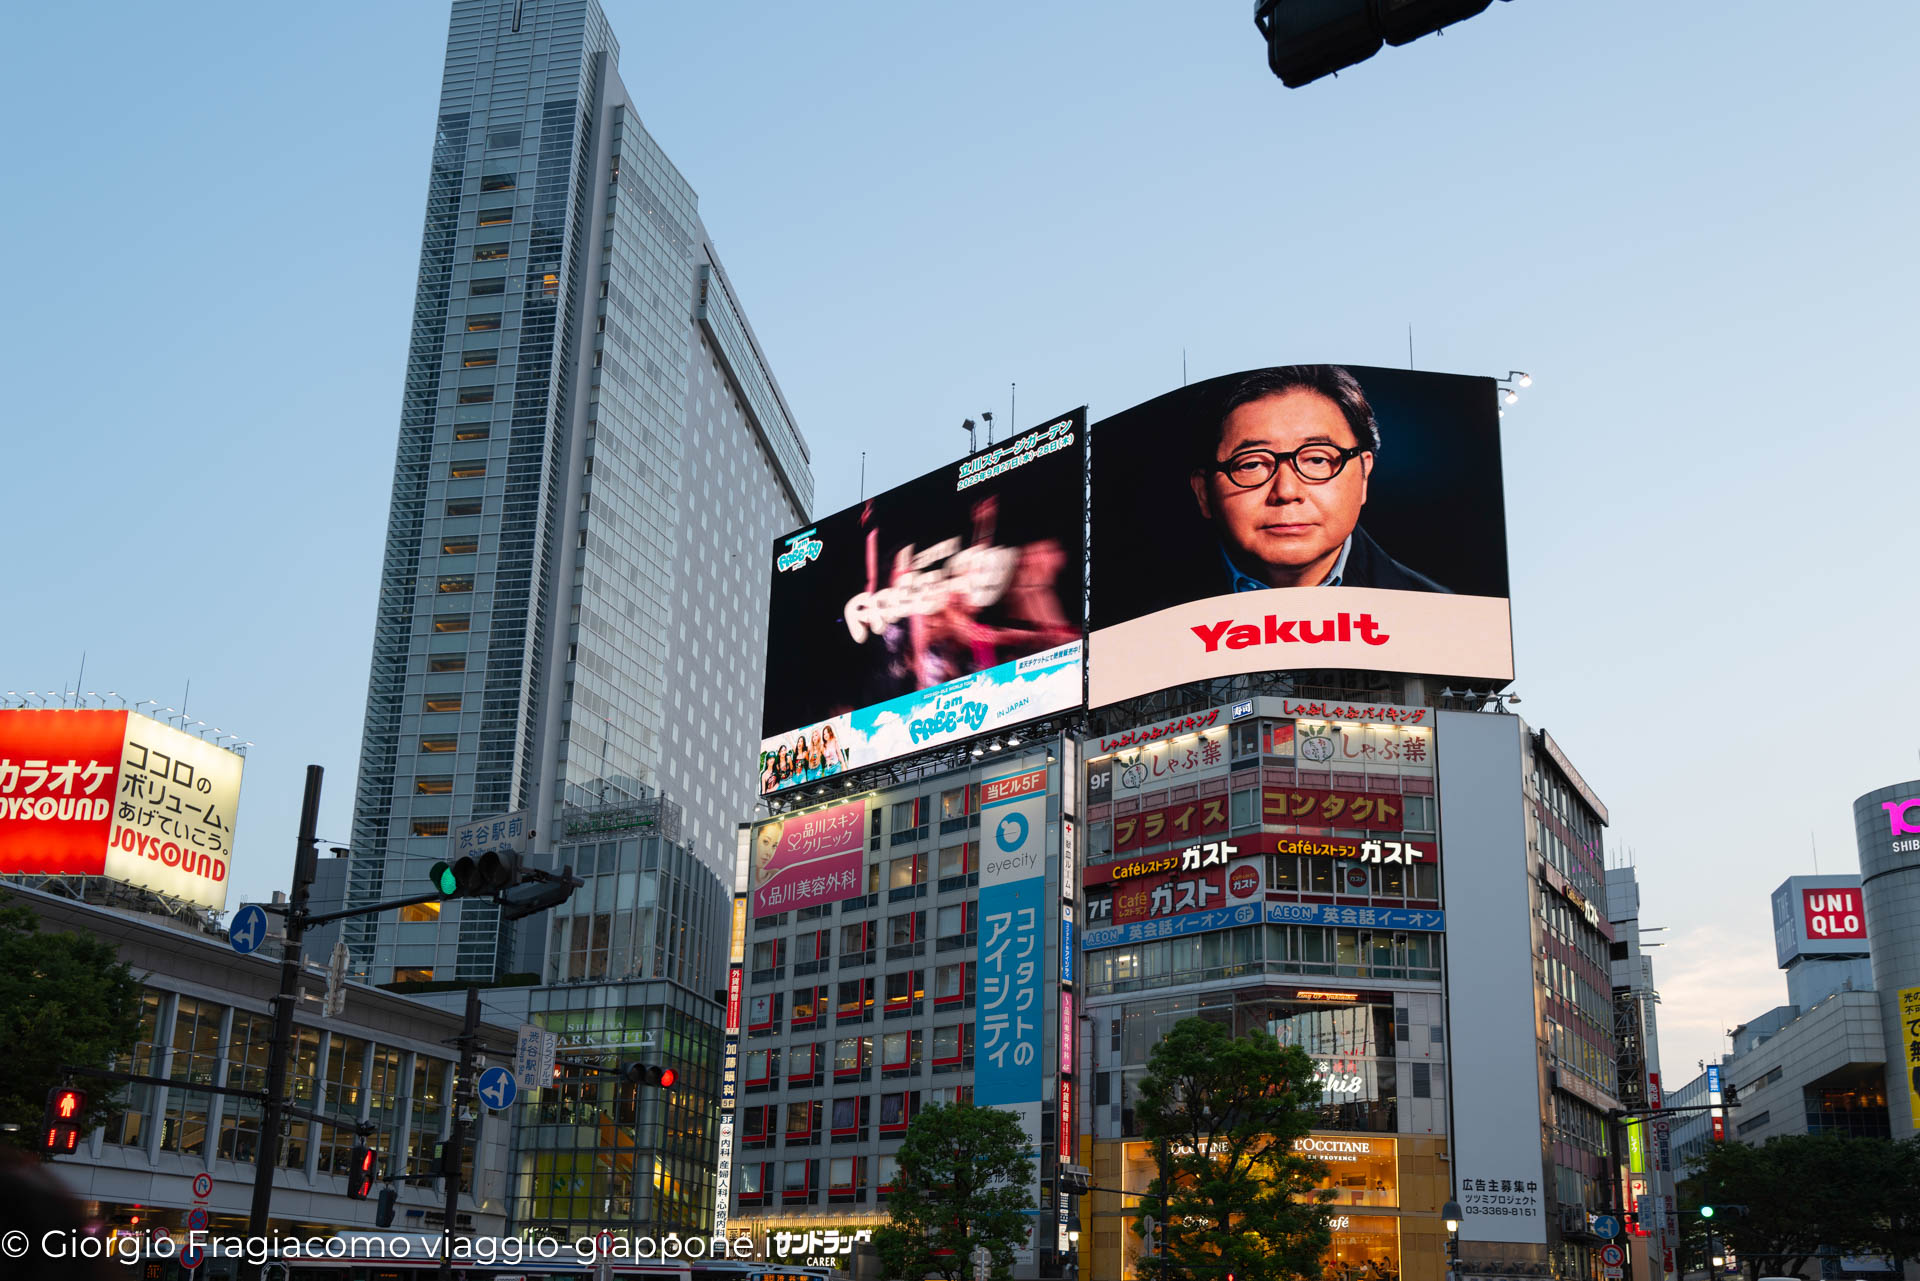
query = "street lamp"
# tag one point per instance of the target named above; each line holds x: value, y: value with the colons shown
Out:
x: 1452, y: 1214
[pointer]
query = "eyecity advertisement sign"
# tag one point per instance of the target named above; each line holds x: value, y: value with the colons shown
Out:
x: 807, y: 859
x: 942, y: 609
x: 1301, y: 516
x: 89, y: 792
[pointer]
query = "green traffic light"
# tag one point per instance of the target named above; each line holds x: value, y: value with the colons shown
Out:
x: 1706, y: 1212
x: 444, y: 881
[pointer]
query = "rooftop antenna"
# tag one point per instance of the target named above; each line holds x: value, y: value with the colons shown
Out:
x: 1013, y: 399
x: 972, y: 444
x: 1816, y: 851
x: 1183, y: 366
x: 80, y: 680
x: 863, y: 475
x: 1409, y: 344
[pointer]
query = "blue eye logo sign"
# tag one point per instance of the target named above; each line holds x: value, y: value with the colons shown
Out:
x: 1011, y: 833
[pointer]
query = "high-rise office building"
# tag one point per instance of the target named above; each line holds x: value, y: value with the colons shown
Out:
x: 593, y: 456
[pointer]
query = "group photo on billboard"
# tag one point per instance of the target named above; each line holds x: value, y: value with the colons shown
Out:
x: 945, y: 608
x: 1299, y: 516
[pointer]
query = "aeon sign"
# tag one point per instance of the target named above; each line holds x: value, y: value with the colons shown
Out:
x: 1834, y: 914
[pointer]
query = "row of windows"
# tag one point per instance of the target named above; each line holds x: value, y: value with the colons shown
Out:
x: 949, y: 1046
x: 853, y: 1000
x: 1285, y: 949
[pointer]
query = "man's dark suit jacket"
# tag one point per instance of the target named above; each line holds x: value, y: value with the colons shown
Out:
x: 1369, y: 566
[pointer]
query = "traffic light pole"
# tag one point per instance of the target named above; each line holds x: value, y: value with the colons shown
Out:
x: 457, y: 1139
x: 306, y: 857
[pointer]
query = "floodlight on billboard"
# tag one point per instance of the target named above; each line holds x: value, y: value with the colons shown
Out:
x: 88, y: 792
x: 1372, y: 496
x: 943, y: 609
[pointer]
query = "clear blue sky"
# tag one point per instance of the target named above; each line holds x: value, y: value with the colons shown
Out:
x: 1692, y: 223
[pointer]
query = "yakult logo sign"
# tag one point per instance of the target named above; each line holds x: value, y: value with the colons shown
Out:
x: 1279, y: 631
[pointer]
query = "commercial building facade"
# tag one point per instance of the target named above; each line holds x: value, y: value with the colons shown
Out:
x: 207, y: 1020
x: 592, y: 454
x: 859, y: 1010
x: 1647, y: 1144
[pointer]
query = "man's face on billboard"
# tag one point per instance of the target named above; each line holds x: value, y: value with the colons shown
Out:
x: 1288, y: 531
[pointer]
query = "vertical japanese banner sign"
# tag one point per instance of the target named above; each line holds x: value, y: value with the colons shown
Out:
x: 1013, y: 881
x: 730, y: 1044
x: 1910, y: 1024
x: 1066, y: 1100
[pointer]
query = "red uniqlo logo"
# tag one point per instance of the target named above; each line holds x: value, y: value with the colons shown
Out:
x: 1834, y: 914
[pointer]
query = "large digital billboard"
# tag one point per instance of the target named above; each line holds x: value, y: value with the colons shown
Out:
x: 1299, y: 516
x: 86, y: 792
x: 945, y: 608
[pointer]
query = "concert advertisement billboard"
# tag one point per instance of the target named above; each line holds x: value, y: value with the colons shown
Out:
x: 942, y: 609
x: 1300, y: 516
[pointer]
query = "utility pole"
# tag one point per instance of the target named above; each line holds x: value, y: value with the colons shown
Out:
x: 306, y: 858
x: 457, y: 1139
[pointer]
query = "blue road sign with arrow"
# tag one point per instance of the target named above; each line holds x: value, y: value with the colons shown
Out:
x: 497, y: 1089
x: 249, y: 929
x: 1606, y: 1226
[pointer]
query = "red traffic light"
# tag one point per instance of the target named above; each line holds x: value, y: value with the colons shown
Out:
x: 361, y: 1168
x: 667, y: 1077
x: 69, y: 1104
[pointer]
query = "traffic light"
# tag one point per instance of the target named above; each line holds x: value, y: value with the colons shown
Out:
x: 1308, y: 39
x: 1706, y: 1212
x: 60, y: 1128
x: 476, y: 877
x: 1730, y: 1094
x: 361, y: 1168
x: 383, y: 1212
x: 649, y: 1074
x: 535, y: 896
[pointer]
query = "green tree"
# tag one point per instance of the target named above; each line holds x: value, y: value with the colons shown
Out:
x: 964, y: 1181
x: 66, y: 1000
x: 1223, y: 1114
x: 1801, y: 1191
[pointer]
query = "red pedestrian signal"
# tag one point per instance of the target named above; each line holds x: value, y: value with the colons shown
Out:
x: 60, y: 1128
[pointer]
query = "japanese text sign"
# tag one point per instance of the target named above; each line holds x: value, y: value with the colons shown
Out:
x: 809, y: 858
x: 1318, y: 807
x: 1014, y: 921
x: 86, y: 792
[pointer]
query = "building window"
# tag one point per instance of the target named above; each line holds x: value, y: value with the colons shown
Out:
x: 850, y: 1055
x: 441, y: 703
x: 420, y: 912
x: 496, y: 182
x: 490, y: 252
x: 440, y: 743
x: 476, y: 395
x: 903, y: 872
x: 447, y: 663
x: 459, y: 544
x: 488, y: 287
x: 449, y: 583
x: 417, y: 975
x: 452, y: 622
x: 467, y: 469
x: 499, y: 217
x: 501, y: 139
x: 895, y: 1112
x: 905, y: 928
x: 953, y: 861
x: 483, y: 323
x: 473, y: 431
x: 480, y: 359
x: 434, y: 785
x: 429, y: 827
x: 463, y: 507
x: 1422, y: 1080
x: 800, y: 1120
x: 953, y: 804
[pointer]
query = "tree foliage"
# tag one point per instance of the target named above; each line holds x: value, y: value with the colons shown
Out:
x: 964, y: 1180
x: 1806, y: 1192
x: 66, y: 1000
x: 1223, y: 1114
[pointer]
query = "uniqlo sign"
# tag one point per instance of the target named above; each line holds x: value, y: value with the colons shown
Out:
x: 1833, y: 914
x: 87, y: 792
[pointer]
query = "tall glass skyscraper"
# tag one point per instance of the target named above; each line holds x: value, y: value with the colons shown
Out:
x: 593, y: 460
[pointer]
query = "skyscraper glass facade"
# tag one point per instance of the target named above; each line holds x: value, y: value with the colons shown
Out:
x: 592, y: 461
